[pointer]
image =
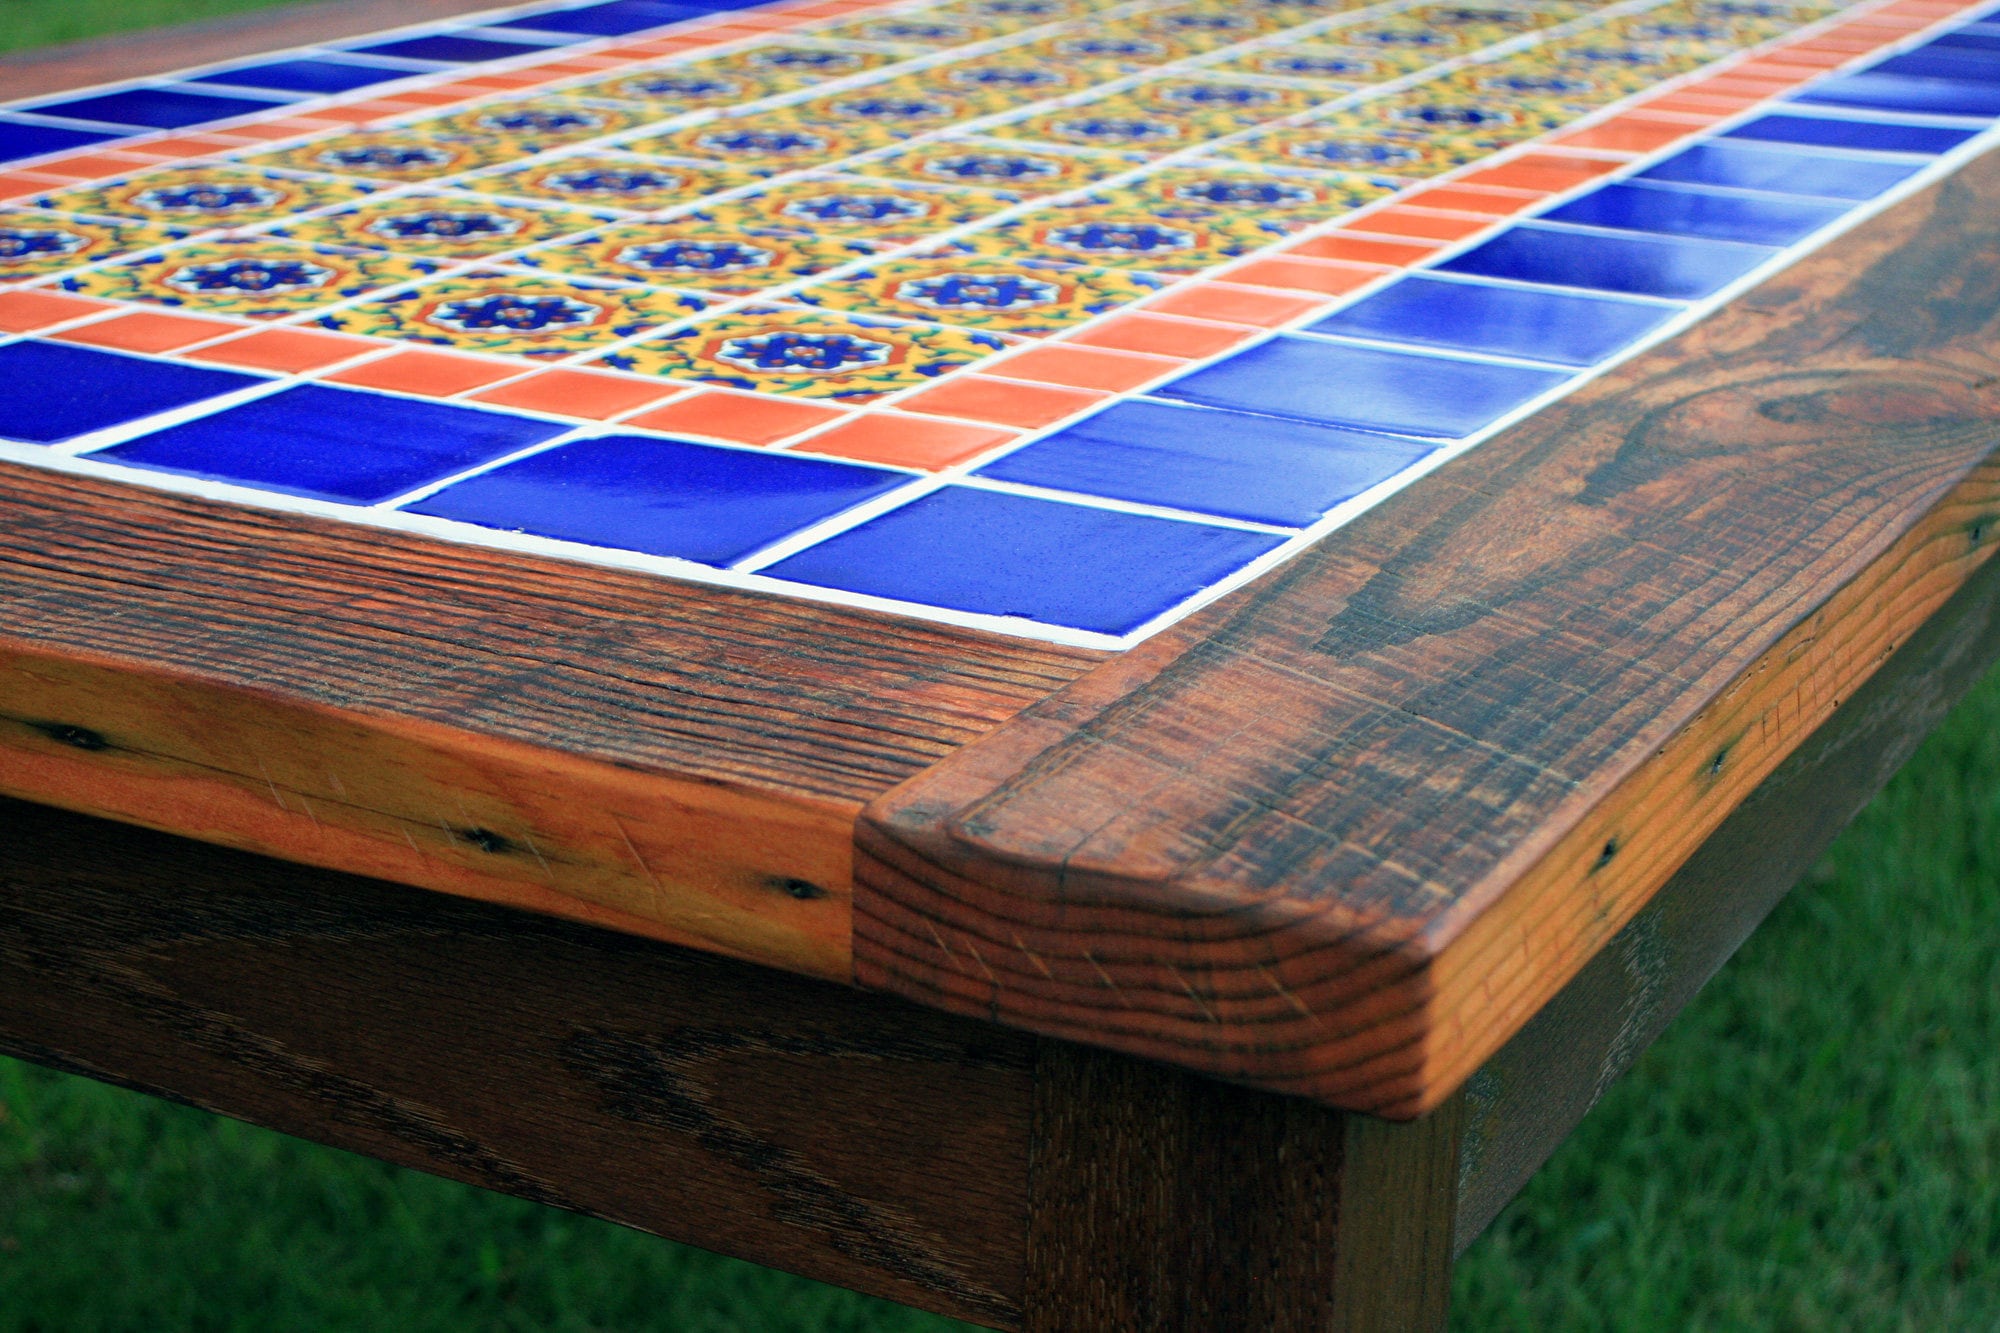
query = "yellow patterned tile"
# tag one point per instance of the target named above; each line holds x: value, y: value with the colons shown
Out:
x: 1444, y: 110
x: 533, y: 124
x: 1028, y: 171
x: 33, y: 244
x: 611, y: 180
x: 809, y: 354
x: 924, y: 30
x: 449, y: 226
x: 1105, y: 53
x: 765, y: 143
x: 514, y: 314
x: 1197, y: 29
x: 1556, y: 96
x: 1414, y: 152
x: 998, y: 81
x: 1125, y: 238
x: 204, y: 196
x: 786, y: 66
x: 880, y: 211
x: 882, y: 113
x: 966, y: 289
x: 1008, y: 16
x: 1217, y: 101
x: 696, y: 253
x: 1245, y: 197
x: 257, y: 277
x: 390, y: 155
x: 1110, y: 125
x: 1337, y: 67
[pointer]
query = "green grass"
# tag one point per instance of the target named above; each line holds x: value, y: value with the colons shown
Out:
x: 1814, y: 1145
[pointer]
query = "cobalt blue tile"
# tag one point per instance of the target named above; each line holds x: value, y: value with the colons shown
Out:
x: 1676, y: 267
x: 1746, y: 166
x: 661, y: 496
x: 1307, y: 379
x: 1007, y: 555
x: 1562, y: 327
x: 446, y: 49
x: 304, y: 76
x: 1263, y: 469
x: 1966, y: 39
x: 333, y: 444
x: 614, y: 19
x: 1830, y: 132
x: 79, y: 389
x: 1965, y: 64
x: 1893, y: 92
x: 1672, y: 211
x: 21, y: 138
x: 155, y: 108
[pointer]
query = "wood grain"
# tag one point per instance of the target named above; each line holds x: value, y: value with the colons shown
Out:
x: 650, y: 755
x: 849, y: 1137
x: 1345, y: 832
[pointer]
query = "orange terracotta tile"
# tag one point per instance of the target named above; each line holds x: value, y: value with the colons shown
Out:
x: 361, y: 113
x: 1306, y: 275
x: 289, y: 128
x: 1629, y: 134
x: 146, y: 331
x: 1077, y: 367
x: 26, y: 311
x: 1701, y: 103
x: 1420, y: 223
x: 430, y: 97
x: 1728, y: 83
x: 579, y: 393
x: 1225, y: 302
x: 15, y: 184
x: 1475, y: 199
x: 557, y: 68
x: 740, y: 417
x: 1776, y: 71
x: 1548, y: 172
x: 1807, y: 57
x: 185, y: 145
x: 1163, y: 335
x: 293, y: 351
x: 433, y: 374
x: 1360, y: 250
x: 94, y: 166
x: 488, y: 83
x: 905, y: 441
x: 975, y: 398
x: 1835, y: 43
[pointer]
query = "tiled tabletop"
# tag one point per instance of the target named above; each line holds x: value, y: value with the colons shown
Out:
x: 1053, y: 317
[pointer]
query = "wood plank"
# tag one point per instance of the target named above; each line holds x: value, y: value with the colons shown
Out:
x: 665, y: 758
x: 853, y: 1138
x: 1343, y: 834
x: 1525, y: 1101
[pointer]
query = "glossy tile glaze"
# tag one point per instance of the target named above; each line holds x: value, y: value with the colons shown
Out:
x: 1046, y: 316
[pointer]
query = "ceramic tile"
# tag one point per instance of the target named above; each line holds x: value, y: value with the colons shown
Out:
x: 1747, y: 166
x: 968, y: 290
x: 333, y: 444
x: 696, y: 253
x: 768, y: 142
x: 1673, y: 211
x: 808, y: 354
x: 204, y: 196
x: 1019, y: 169
x: 532, y: 124
x: 662, y: 496
x: 514, y: 314
x: 1831, y: 132
x: 445, y: 225
x: 304, y: 76
x: 446, y: 49
x: 1007, y: 555
x: 1917, y: 96
x: 1337, y: 68
x: 20, y: 139
x: 80, y: 390
x: 1560, y: 327
x: 610, y: 180
x: 1375, y: 150
x: 921, y: 30
x: 33, y: 244
x: 883, y: 212
x: 786, y: 66
x: 1261, y: 201
x: 153, y: 108
x: 1217, y: 102
x: 1108, y: 55
x: 257, y: 277
x: 615, y: 18
x: 1230, y: 464
x: 1110, y: 125
x: 676, y: 89
x: 1188, y: 30
x: 1667, y: 266
x: 994, y: 82
x: 1340, y: 384
x: 387, y: 155
x: 1113, y: 237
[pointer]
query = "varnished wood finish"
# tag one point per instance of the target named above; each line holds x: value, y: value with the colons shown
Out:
x: 1164, y: 1202
x: 1526, y: 1099
x: 853, y: 1138
x: 1344, y: 833
x: 647, y: 754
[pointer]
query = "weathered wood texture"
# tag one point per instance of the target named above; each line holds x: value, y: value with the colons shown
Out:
x: 1164, y: 1202
x: 1524, y: 1101
x: 652, y: 755
x: 134, y: 55
x: 1345, y: 832
x: 853, y: 1138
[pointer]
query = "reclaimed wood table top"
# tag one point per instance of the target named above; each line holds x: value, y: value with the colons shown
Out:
x: 1256, y: 536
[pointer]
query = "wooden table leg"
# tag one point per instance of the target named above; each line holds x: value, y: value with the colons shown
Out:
x: 1165, y: 1201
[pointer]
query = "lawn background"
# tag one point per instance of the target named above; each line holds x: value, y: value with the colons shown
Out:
x: 1814, y: 1145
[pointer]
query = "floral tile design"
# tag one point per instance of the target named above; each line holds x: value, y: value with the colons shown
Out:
x: 885, y: 212
x: 1217, y: 102
x: 769, y: 142
x: 1414, y: 151
x: 205, y: 196
x: 255, y: 277
x: 1125, y: 238
x: 532, y: 124
x: 514, y: 314
x: 696, y: 253
x: 1026, y: 170
x: 1243, y: 196
x: 1336, y: 68
x: 1111, y: 125
x: 445, y: 225
x: 624, y: 181
x: 34, y: 244
x: 808, y: 354
x: 388, y: 155
x: 967, y: 289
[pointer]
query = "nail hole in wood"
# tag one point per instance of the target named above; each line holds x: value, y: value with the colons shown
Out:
x: 802, y: 889
x: 485, y: 839
x: 1604, y: 857
x: 63, y: 733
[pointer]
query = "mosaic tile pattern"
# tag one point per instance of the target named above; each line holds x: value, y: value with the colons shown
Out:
x: 1052, y: 317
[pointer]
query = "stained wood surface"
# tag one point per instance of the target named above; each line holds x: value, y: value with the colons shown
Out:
x: 1343, y: 834
x: 647, y: 754
x: 849, y: 1137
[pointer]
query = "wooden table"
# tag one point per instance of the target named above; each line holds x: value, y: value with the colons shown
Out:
x: 1232, y: 976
